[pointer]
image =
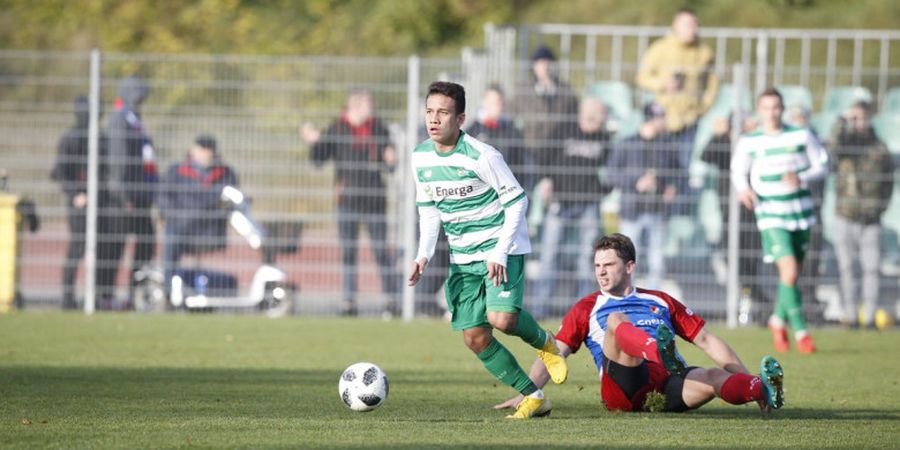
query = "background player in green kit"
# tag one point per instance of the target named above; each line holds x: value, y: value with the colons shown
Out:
x: 780, y: 161
x: 464, y: 185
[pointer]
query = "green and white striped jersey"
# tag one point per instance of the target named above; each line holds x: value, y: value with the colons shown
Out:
x: 471, y: 187
x: 765, y: 158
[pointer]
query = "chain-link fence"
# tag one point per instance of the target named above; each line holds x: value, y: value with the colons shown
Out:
x: 321, y: 214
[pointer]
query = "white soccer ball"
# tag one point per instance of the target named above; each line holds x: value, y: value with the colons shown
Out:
x: 363, y: 386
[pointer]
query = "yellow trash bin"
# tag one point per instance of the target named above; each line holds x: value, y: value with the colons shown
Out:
x: 9, y: 249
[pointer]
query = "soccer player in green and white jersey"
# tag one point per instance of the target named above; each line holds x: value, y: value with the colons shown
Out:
x: 464, y: 185
x: 780, y: 161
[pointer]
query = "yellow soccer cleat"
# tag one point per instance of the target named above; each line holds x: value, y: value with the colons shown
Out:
x: 532, y: 407
x: 556, y: 364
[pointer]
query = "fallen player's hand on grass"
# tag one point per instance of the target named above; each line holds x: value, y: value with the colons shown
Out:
x: 511, y: 403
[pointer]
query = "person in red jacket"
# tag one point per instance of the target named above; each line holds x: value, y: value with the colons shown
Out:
x: 361, y: 148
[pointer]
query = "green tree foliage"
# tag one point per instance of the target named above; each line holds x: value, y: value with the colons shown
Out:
x: 374, y: 27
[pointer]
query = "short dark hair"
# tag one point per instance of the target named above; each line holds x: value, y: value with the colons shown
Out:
x: 496, y: 88
x: 771, y: 92
x: 620, y: 243
x: 685, y: 10
x: 863, y: 105
x: 452, y: 90
x: 206, y: 141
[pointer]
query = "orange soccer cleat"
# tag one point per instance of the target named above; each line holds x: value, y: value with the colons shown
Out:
x: 780, y: 338
x: 806, y: 345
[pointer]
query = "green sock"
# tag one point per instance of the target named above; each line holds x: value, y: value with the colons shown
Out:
x: 779, y: 307
x: 789, y: 302
x: 528, y: 329
x: 504, y: 367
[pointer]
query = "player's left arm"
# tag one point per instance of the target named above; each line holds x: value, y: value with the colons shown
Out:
x: 818, y: 160
x: 494, y: 171
x: 719, y: 351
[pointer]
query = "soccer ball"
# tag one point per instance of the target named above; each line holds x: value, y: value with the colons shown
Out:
x: 363, y: 386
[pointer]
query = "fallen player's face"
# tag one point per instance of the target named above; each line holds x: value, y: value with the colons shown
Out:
x: 613, y: 274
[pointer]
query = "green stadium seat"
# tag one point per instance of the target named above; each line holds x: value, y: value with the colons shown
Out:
x: 724, y: 103
x: 796, y: 95
x: 887, y: 128
x: 822, y: 123
x: 616, y: 94
x: 839, y: 98
x: 891, y: 104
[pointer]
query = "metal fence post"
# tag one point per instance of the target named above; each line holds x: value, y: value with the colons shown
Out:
x: 409, y: 198
x: 90, y: 251
x: 732, y: 288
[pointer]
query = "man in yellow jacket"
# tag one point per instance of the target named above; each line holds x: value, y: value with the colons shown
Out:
x: 678, y: 70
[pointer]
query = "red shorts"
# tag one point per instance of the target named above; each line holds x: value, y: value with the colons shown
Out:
x: 614, y: 397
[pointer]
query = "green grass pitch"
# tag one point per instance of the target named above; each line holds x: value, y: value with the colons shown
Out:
x: 194, y: 380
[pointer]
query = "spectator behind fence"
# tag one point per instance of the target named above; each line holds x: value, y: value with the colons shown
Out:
x: 718, y: 154
x: 71, y: 172
x: 190, y: 203
x: 131, y: 161
x: 361, y: 148
x: 543, y: 102
x: 678, y: 70
x: 864, y: 184
x: 771, y: 169
x: 571, y: 187
x: 645, y: 167
x: 496, y: 129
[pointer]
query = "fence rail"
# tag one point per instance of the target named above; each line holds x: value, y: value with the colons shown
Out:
x: 256, y: 107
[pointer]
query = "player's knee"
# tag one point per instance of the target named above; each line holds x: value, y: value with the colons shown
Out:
x: 504, y: 322
x: 477, y: 342
x: 613, y: 321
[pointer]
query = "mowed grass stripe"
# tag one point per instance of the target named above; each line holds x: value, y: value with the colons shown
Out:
x: 130, y: 381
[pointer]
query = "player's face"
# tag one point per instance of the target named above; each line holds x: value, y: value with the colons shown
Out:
x: 686, y: 27
x: 441, y: 119
x: 492, y: 104
x: 613, y: 274
x: 769, y: 109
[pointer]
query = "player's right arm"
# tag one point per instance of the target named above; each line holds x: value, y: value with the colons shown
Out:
x: 719, y: 351
x: 429, y: 228
x: 740, y: 169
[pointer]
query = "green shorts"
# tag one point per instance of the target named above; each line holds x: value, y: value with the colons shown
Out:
x: 471, y: 294
x: 778, y: 242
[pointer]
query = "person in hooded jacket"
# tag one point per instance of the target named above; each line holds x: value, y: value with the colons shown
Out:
x: 131, y: 161
x: 543, y: 103
x: 71, y: 172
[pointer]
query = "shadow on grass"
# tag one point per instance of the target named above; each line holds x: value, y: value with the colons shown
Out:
x: 312, y: 395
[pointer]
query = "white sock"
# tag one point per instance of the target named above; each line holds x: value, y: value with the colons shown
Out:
x: 537, y: 394
x: 776, y: 321
x: 800, y: 334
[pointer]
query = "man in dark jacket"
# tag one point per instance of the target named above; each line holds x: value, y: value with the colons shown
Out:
x: 131, y: 162
x: 572, y: 190
x: 543, y: 102
x: 190, y: 203
x: 496, y: 129
x: 865, y: 180
x: 645, y: 167
x: 360, y: 146
x: 70, y: 171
